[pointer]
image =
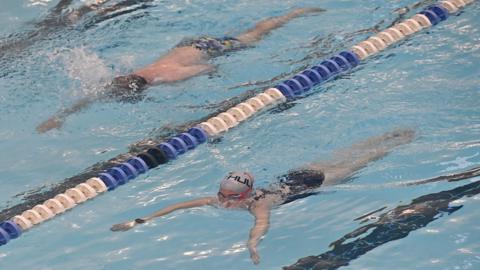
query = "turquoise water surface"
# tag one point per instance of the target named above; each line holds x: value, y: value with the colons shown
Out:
x: 429, y: 82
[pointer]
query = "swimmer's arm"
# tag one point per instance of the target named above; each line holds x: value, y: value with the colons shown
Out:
x: 56, y: 121
x: 167, y: 210
x: 182, y: 205
x: 262, y: 222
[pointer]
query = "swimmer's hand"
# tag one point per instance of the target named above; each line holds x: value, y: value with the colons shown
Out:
x: 126, y: 225
x: 53, y: 122
x: 254, y: 254
x: 57, y: 120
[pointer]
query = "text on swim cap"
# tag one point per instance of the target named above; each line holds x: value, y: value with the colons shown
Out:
x: 242, y: 180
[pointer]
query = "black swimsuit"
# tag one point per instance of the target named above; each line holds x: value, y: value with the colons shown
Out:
x: 300, y: 184
x: 213, y: 46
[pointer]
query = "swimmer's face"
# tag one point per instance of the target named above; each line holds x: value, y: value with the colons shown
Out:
x: 226, y: 195
x: 231, y: 199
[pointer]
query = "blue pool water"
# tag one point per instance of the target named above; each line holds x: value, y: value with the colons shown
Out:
x: 430, y: 82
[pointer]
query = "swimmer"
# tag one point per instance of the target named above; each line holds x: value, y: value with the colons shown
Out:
x: 186, y: 60
x: 237, y: 192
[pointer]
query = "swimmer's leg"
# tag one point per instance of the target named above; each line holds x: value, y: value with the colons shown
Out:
x: 346, y: 162
x: 174, y: 74
x: 266, y: 26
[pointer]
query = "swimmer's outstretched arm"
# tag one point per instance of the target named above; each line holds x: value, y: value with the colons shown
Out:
x: 262, y: 222
x: 111, y: 90
x: 167, y: 210
x: 56, y: 121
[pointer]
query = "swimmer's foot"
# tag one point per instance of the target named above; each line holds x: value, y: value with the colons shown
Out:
x: 52, y: 123
x: 254, y: 255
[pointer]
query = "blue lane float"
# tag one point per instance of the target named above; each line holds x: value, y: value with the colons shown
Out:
x: 304, y: 80
x: 169, y: 150
x: 440, y: 11
x: 314, y: 76
x: 285, y: 90
x: 351, y: 58
x: 189, y: 139
x: 108, y: 180
x: 199, y: 134
x: 119, y: 175
x: 342, y: 62
x: 296, y: 86
x: 179, y: 145
x: 332, y: 66
x: 308, y: 78
x: 138, y: 164
x: 432, y: 16
x: 13, y: 230
x: 4, y: 237
x: 129, y: 170
x: 323, y: 71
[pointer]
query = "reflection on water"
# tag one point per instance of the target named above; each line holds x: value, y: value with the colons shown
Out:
x: 392, y: 225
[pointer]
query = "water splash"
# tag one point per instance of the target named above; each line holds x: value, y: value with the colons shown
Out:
x: 84, y: 67
x: 44, y: 3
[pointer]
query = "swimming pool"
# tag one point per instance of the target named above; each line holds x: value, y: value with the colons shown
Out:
x: 429, y: 82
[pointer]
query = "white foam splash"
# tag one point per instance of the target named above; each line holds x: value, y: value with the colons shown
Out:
x: 83, y: 66
x: 460, y: 162
x: 33, y: 3
x: 90, y: 2
x: 236, y: 248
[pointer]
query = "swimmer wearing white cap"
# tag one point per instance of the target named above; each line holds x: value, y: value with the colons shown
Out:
x: 236, y: 189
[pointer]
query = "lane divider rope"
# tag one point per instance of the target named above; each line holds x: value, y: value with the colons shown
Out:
x: 288, y: 90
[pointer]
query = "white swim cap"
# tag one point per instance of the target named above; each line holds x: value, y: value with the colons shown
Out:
x: 238, y: 182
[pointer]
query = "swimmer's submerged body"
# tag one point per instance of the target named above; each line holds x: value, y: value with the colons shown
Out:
x: 188, y: 59
x: 236, y: 189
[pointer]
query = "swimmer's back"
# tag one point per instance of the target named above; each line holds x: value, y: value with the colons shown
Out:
x: 291, y: 186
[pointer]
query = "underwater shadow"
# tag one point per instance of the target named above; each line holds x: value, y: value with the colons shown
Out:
x: 392, y: 225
